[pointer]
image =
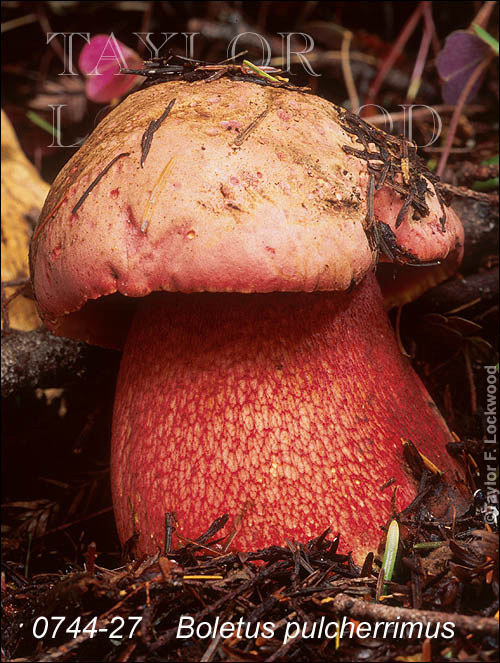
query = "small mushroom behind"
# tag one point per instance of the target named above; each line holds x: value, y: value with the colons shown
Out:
x: 260, y: 376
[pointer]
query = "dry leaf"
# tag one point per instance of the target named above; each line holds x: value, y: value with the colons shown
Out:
x: 23, y: 193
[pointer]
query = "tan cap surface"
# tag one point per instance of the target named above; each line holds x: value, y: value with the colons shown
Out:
x: 245, y: 188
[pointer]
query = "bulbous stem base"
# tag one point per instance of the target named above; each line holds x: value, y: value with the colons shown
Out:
x: 286, y: 411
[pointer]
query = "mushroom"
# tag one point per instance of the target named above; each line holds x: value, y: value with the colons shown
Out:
x: 225, y: 234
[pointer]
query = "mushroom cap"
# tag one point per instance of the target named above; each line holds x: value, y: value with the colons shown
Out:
x: 427, y: 240
x: 240, y: 187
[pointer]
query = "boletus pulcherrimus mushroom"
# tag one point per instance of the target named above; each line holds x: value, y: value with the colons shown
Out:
x: 260, y: 375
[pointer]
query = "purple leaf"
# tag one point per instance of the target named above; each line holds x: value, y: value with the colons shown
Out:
x: 462, y: 53
x: 100, y: 61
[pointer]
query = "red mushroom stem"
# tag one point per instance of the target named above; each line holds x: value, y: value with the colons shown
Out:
x: 286, y: 409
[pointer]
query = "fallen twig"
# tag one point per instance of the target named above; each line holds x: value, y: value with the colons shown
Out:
x: 40, y: 359
x: 359, y: 608
x: 464, y: 192
x: 459, y: 294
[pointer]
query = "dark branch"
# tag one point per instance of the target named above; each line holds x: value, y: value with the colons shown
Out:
x: 40, y: 359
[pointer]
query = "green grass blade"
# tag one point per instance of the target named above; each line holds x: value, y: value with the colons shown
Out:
x: 391, y: 550
x: 43, y: 124
x: 486, y: 37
